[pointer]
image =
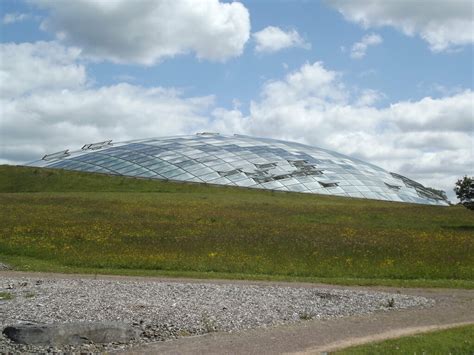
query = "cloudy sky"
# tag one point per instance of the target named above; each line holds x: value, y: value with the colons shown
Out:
x: 390, y: 82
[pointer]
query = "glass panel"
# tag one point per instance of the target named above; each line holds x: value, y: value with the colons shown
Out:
x: 209, y: 177
x: 246, y: 182
x: 171, y: 173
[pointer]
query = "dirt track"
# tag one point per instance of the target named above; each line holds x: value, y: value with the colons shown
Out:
x: 453, y: 307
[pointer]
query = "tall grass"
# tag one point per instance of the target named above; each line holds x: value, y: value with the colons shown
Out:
x: 86, y: 220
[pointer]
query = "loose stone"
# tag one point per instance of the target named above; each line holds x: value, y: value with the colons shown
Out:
x: 166, y: 310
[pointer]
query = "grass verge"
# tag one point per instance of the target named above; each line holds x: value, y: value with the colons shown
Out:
x: 452, y: 341
x: 29, y: 264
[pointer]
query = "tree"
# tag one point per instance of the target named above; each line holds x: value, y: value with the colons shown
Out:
x: 464, y: 190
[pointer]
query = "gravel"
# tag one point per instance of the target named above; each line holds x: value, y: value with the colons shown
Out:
x: 167, y: 310
x: 4, y: 266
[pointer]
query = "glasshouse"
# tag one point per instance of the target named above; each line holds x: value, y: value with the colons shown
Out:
x: 244, y: 161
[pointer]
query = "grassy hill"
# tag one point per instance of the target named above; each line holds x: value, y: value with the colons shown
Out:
x: 53, y: 220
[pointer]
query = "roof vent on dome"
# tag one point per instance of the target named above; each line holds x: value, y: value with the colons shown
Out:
x: 298, y: 162
x: 408, y: 182
x: 265, y: 166
x: 432, y: 193
x: 422, y: 191
x: 230, y: 172
x: 393, y: 187
x: 207, y: 134
x: 328, y: 183
x: 95, y: 146
x: 56, y: 156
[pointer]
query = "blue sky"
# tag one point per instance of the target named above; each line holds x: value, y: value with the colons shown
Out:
x: 389, y: 82
x: 403, y: 67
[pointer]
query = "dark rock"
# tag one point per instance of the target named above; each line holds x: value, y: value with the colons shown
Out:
x: 70, y: 333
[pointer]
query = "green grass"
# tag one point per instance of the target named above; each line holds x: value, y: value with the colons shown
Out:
x: 53, y: 220
x: 453, y: 341
x: 4, y: 296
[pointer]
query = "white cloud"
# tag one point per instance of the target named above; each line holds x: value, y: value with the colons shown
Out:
x: 429, y: 140
x: 49, y: 121
x: 42, y: 65
x: 434, y: 141
x: 452, y: 113
x: 359, y: 49
x: 11, y: 18
x: 50, y: 106
x: 443, y: 24
x: 146, y: 32
x: 368, y: 97
x: 272, y: 39
x: 312, y: 81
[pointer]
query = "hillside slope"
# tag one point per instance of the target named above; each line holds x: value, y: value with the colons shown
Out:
x: 69, y: 221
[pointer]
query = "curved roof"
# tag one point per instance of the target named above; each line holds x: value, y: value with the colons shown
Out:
x: 244, y: 161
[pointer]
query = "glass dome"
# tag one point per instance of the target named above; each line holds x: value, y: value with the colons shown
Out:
x: 244, y: 161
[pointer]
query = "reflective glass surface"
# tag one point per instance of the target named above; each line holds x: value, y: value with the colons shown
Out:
x: 244, y: 161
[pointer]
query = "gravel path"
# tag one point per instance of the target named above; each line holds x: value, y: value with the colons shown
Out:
x: 167, y: 310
